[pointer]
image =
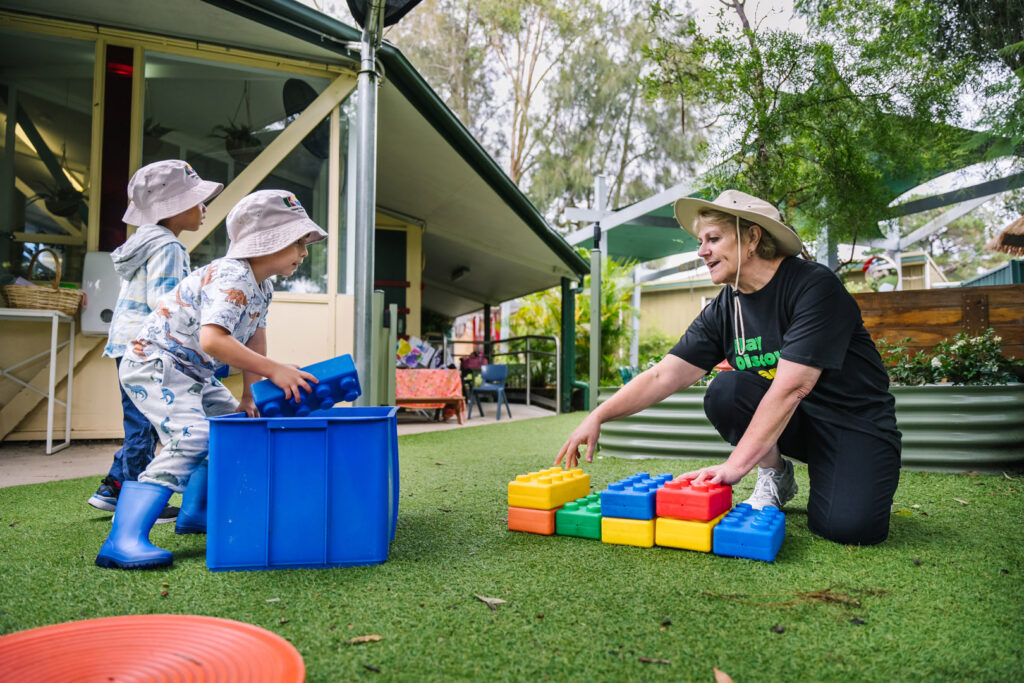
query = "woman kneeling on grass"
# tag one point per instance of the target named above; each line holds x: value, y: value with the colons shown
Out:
x: 808, y: 381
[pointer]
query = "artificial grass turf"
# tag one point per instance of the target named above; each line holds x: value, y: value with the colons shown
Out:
x: 941, y: 599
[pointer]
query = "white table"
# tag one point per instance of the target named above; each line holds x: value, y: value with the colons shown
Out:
x: 55, y: 318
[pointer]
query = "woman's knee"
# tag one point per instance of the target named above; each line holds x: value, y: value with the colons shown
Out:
x: 868, y: 529
x: 730, y: 401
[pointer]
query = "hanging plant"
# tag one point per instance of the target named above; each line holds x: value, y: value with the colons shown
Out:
x: 152, y: 132
x: 240, y: 139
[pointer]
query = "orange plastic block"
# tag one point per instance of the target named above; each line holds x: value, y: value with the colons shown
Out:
x: 532, y: 521
x: 682, y: 499
x: 548, y: 489
x: 685, y: 534
x: 619, y: 531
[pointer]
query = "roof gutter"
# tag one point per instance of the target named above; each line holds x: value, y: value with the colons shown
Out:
x: 314, y: 27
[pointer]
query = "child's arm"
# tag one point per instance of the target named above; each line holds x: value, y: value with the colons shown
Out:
x: 258, y: 343
x: 217, y: 342
x: 163, y: 272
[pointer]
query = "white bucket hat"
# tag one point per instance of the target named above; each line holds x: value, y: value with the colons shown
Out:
x: 267, y: 221
x: 164, y: 189
x: 745, y: 206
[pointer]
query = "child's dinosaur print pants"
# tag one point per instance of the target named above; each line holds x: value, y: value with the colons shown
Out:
x: 178, y: 406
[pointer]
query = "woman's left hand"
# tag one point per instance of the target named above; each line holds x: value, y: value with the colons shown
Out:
x: 724, y: 474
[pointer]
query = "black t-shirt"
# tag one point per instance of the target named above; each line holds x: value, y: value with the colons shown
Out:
x: 805, y: 315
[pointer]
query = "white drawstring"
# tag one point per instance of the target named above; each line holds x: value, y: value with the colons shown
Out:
x: 738, y: 329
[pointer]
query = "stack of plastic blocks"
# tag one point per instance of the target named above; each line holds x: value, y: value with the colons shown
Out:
x: 628, y: 509
x: 338, y: 382
x: 750, y: 533
x: 688, y: 512
x: 581, y: 517
x: 534, y: 498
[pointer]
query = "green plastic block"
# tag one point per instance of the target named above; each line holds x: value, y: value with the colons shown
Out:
x: 581, y: 518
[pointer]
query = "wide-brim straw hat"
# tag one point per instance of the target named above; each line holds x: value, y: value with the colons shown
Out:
x: 1010, y: 240
x: 164, y: 189
x: 267, y: 221
x: 745, y: 206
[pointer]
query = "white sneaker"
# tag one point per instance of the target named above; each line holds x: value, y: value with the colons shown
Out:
x: 773, y: 487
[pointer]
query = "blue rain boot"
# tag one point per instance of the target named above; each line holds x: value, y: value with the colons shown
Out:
x: 192, y: 516
x: 128, y: 546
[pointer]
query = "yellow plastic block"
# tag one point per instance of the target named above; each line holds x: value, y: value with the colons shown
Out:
x: 685, y: 534
x: 548, y: 489
x: 638, y: 532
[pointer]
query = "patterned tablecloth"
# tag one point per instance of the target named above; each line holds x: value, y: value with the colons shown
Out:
x: 430, y: 389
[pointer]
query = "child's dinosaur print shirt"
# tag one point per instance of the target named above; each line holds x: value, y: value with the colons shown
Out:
x: 223, y: 293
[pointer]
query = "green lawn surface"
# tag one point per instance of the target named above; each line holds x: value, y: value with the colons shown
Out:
x: 942, y: 599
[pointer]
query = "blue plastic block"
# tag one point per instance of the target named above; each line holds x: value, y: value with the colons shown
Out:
x: 745, y: 532
x: 338, y: 382
x: 632, y: 497
x: 294, y: 492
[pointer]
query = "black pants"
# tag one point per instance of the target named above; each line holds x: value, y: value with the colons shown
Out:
x: 853, y: 474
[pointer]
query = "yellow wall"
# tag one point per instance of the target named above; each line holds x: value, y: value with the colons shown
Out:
x: 302, y: 329
x: 671, y: 310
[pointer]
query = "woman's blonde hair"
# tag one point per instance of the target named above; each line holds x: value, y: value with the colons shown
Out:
x: 766, y: 247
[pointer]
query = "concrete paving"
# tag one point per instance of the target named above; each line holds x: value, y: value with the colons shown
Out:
x: 26, y: 462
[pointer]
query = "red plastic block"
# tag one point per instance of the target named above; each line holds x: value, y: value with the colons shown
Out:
x: 682, y: 499
x: 532, y: 521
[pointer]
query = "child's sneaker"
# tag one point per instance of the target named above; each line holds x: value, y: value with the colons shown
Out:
x: 773, y: 487
x: 167, y: 515
x: 105, y: 497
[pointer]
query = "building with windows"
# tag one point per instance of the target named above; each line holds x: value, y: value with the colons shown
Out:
x: 257, y: 94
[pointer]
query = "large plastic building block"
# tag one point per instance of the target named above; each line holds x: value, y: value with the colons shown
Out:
x: 745, y: 532
x: 338, y: 382
x: 682, y: 499
x: 684, y: 533
x: 581, y: 517
x: 548, y: 489
x: 632, y: 497
x: 532, y: 521
x: 618, y: 531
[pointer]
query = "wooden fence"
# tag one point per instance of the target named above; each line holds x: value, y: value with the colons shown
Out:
x: 929, y: 316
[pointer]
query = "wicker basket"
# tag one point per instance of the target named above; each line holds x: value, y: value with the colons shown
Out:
x: 46, y: 298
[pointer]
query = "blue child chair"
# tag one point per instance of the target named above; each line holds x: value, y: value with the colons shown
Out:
x: 493, y: 377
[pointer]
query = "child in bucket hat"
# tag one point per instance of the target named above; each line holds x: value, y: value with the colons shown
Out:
x: 166, y: 199
x: 216, y: 316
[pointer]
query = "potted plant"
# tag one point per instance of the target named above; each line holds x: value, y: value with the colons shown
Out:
x: 152, y: 132
x: 239, y: 140
x: 61, y: 201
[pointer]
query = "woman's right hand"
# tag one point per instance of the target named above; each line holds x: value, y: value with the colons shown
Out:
x: 290, y: 378
x: 587, y: 433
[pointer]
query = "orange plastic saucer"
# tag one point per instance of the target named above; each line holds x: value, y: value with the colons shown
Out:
x: 150, y: 647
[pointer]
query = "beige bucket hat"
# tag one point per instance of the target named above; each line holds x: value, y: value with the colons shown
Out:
x: 745, y: 206
x: 267, y: 221
x: 164, y: 189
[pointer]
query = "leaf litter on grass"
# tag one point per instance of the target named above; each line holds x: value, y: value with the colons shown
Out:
x: 824, y: 595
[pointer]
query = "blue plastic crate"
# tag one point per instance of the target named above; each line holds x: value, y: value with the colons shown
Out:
x: 338, y: 382
x: 295, y: 492
x: 633, y: 497
x: 745, y: 532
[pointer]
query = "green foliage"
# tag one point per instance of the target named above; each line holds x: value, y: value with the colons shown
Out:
x: 959, y: 248
x: 569, y: 104
x: 963, y: 360
x: 977, y: 46
x: 827, y: 127
x: 654, y: 344
x: 540, y: 313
